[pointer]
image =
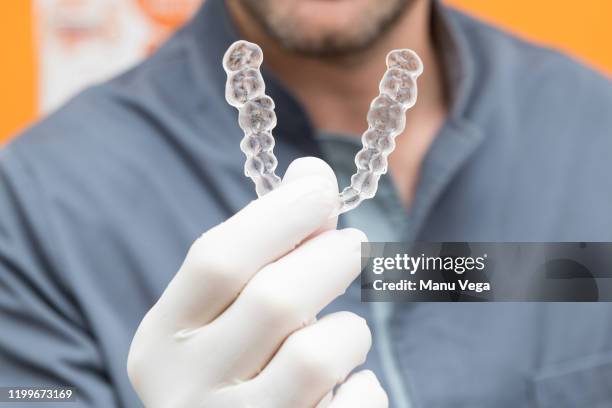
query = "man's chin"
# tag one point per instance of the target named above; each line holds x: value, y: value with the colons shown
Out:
x: 329, y: 46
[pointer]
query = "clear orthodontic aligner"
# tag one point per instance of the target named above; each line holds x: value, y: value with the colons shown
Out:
x: 245, y: 90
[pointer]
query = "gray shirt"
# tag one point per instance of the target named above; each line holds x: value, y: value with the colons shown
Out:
x: 100, y: 201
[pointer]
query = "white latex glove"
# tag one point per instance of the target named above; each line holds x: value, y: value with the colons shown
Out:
x: 236, y: 326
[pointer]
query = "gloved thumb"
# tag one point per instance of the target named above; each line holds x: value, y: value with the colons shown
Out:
x: 312, y: 166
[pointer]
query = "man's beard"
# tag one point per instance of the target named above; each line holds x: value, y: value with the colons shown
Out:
x: 374, y: 22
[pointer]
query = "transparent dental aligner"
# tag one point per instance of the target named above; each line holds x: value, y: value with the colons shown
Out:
x: 245, y: 90
x: 386, y: 118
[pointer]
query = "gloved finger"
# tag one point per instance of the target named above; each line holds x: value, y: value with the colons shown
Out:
x: 362, y: 389
x: 307, y: 166
x: 326, y: 400
x: 312, y: 361
x: 223, y: 259
x: 284, y: 297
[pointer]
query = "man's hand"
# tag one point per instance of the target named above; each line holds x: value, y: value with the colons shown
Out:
x: 236, y: 326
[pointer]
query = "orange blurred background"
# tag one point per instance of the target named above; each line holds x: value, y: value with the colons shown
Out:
x: 582, y: 29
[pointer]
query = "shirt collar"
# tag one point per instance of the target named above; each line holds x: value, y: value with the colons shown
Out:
x: 456, y: 58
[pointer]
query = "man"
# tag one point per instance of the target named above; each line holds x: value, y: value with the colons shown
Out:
x: 100, y: 202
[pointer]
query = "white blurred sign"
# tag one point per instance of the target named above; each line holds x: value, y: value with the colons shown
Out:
x: 81, y: 42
